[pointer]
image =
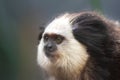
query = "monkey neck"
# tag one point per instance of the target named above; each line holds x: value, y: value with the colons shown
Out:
x: 62, y: 74
x: 89, y: 72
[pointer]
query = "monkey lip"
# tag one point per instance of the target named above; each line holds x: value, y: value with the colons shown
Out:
x: 51, y: 54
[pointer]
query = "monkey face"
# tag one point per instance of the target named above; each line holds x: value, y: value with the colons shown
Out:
x: 51, y: 41
x: 58, y: 46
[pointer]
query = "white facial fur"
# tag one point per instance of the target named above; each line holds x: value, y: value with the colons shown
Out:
x: 73, y: 55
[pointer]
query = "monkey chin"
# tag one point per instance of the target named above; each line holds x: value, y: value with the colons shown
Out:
x: 54, y: 57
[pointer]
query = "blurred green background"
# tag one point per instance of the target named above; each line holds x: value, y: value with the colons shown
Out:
x: 19, y: 29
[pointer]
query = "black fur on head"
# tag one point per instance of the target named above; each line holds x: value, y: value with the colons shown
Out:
x: 91, y: 30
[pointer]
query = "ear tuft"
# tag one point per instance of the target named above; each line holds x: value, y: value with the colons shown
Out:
x: 90, y: 29
x: 91, y: 21
x: 86, y: 16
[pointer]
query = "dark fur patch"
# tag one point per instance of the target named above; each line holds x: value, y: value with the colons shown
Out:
x: 99, y: 36
x: 91, y: 31
x: 40, y: 33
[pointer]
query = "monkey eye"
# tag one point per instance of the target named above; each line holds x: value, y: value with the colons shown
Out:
x: 59, y: 39
x: 46, y: 37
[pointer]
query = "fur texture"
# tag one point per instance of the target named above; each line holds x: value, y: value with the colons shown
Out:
x: 90, y: 50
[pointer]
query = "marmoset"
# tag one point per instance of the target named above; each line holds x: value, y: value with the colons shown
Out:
x: 80, y: 46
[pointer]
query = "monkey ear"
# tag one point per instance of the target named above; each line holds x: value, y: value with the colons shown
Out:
x: 41, y: 32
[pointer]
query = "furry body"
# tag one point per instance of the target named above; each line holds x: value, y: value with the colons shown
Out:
x: 89, y: 49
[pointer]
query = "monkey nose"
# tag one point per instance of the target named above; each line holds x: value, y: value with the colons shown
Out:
x: 49, y: 49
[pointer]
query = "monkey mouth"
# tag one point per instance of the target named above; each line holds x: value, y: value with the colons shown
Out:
x: 53, y: 56
x: 49, y: 54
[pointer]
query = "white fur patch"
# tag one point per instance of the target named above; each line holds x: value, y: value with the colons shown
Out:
x: 60, y: 26
x: 73, y: 54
